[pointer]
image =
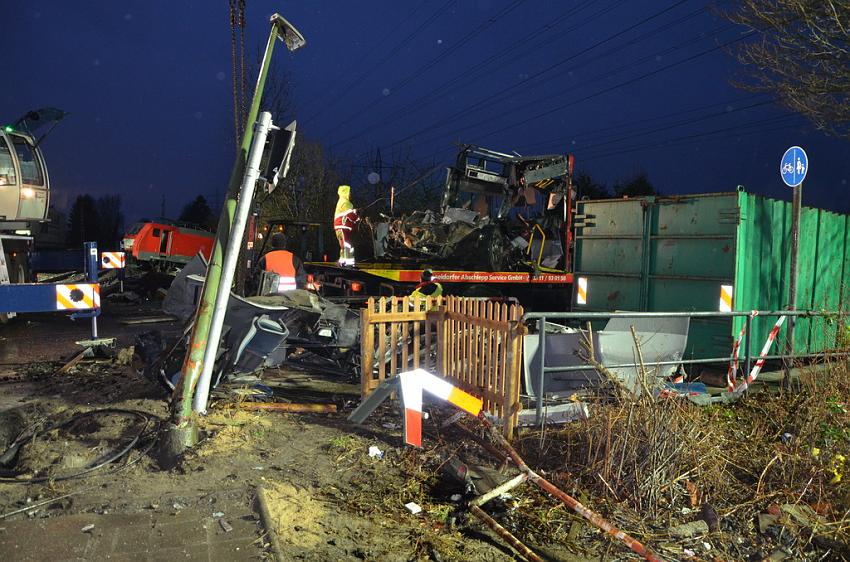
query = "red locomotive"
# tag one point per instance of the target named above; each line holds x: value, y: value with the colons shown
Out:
x: 166, y: 240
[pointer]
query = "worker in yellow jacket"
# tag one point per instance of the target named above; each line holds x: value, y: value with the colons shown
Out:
x: 345, y: 217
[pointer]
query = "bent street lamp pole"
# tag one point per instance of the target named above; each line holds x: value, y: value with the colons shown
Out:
x: 231, y: 257
x: 183, y: 430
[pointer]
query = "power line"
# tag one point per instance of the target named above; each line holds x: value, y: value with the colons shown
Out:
x: 454, y: 47
x: 321, y: 100
x: 676, y: 124
x: 643, y: 132
x: 390, y: 53
x: 606, y: 131
x: 676, y: 140
x: 608, y: 74
x: 649, y: 34
x: 469, y: 74
x: 619, y: 85
x: 454, y: 116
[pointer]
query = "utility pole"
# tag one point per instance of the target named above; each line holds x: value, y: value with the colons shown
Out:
x: 182, y: 431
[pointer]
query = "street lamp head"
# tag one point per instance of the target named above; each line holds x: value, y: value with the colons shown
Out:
x: 287, y: 33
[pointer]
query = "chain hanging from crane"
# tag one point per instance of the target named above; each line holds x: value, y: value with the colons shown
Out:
x: 238, y: 67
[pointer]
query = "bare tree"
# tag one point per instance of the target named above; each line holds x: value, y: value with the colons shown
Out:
x: 801, y: 54
x: 111, y: 221
x: 308, y: 192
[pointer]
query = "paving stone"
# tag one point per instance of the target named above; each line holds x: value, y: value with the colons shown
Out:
x: 189, y: 535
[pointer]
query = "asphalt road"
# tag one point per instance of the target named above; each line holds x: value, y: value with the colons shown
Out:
x: 53, y: 336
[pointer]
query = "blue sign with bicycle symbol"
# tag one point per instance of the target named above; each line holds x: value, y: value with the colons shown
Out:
x: 794, y: 166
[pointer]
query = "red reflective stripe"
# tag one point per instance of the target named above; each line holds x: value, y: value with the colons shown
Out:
x: 413, y: 427
x: 281, y: 262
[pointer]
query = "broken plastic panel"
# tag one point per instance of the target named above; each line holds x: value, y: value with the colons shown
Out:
x: 661, y: 340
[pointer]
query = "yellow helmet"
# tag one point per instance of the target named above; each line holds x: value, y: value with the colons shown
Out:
x: 344, y: 191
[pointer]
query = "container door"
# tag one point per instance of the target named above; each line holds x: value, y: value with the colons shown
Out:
x: 691, y: 265
x: 609, y: 254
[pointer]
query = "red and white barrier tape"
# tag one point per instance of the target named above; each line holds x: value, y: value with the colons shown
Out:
x: 732, y: 373
x: 760, y: 363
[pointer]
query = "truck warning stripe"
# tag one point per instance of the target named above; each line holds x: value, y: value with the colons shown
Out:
x: 726, y: 298
x: 581, y: 290
x: 77, y: 297
x: 415, y: 275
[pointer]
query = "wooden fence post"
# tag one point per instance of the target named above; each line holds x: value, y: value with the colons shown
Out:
x: 367, y: 348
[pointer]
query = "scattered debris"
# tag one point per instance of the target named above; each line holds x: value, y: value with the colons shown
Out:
x: 413, y: 507
x: 287, y: 407
x: 66, y: 368
x: 88, y: 528
x: 125, y: 356
x: 375, y: 452
x: 225, y: 526
x: 147, y: 320
x: 688, y: 530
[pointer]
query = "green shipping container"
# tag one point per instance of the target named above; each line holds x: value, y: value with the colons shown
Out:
x: 679, y: 253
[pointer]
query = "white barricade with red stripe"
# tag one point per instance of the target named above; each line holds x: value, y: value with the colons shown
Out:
x: 760, y: 363
x: 732, y: 373
x: 413, y: 384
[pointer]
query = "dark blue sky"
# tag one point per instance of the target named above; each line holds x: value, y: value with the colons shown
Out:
x: 148, y: 88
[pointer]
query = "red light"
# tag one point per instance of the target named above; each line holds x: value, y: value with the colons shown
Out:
x: 355, y: 286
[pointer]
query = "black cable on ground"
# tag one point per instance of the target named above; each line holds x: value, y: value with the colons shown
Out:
x: 101, y: 462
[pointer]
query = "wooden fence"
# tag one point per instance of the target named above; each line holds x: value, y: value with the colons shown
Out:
x: 474, y: 343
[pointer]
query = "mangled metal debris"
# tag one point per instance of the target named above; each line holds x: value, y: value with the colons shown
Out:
x: 490, y: 200
x: 258, y: 332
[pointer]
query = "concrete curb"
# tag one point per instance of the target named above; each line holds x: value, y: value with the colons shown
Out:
x: 268, y: 523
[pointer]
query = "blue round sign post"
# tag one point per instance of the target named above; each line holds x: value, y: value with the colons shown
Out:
x: 794, y: 166
x: 793, y: 169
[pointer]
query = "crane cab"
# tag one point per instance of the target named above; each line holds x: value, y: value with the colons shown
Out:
x: 24, y: 185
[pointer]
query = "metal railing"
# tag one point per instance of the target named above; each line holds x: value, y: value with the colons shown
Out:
x: 543, y: 317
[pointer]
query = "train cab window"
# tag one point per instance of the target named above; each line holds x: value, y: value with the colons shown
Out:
x: 7, y: 165
x: 156, y: 233
x: 30, y: 166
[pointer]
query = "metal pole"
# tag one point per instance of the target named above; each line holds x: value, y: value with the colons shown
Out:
x: 182, y: 433
x: 541, y: 348
x: 792, y: 282
x: 231, y: 259
x: 747, y: 350
x: 91, y: 275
